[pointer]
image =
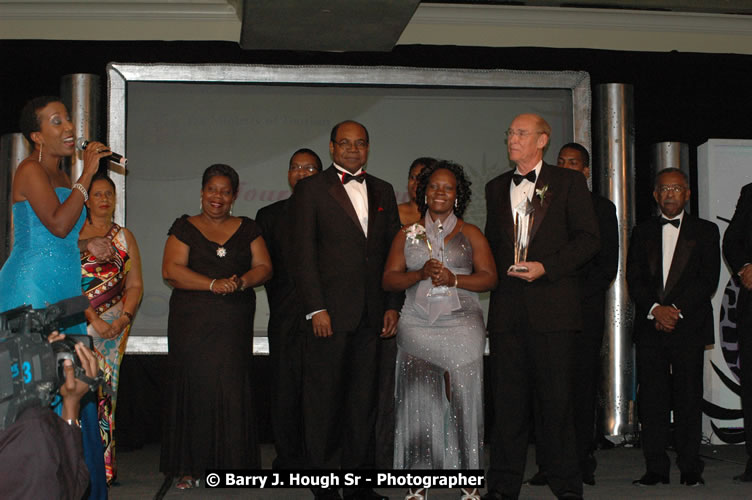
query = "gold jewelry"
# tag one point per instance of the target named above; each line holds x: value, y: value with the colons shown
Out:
x: 456, y: 280
x: 73, y: 422
x: 40, y: 152
x: 129, y: 316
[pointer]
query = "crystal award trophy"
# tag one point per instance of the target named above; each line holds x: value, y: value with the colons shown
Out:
x: 438, y: 291
x: 524, y: 216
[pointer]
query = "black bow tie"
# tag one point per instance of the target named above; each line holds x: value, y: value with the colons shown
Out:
x: 673, y: 222
x: 517, y: 178
x: 357, y: 178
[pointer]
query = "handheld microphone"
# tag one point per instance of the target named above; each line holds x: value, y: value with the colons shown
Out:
x: 81, y: 144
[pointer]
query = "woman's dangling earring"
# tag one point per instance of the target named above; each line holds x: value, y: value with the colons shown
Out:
x: 40, y: 152
x: 425, y: 200
x: 200, y: 204
x: 455, y: 203
x: 231, y: 207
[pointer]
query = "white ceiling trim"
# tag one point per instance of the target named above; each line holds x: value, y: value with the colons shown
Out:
x: 432, y: 24
x: 104, y: 11
x: 117, y: 20
x: 520, y: 26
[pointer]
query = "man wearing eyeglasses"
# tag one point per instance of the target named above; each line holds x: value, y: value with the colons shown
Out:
x: 345, y: 221
x: 673, y: 267
x: 535, y: 312
x: 286, y: 319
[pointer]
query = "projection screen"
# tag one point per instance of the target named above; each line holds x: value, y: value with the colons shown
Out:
x: 173, y: 121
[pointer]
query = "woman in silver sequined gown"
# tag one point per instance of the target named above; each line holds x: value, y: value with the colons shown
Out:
x: 442, y: 262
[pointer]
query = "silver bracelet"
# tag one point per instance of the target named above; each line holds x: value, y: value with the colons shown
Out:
x: 456, y: 280
x: 81, y: 188
x: 211, y: 285
x: 73, y: 422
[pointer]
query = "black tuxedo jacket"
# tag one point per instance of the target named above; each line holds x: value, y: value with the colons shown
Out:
x: 737, y: 248
x: 564, y: 236
x: 692, y: 279
x: 337, y: 268
x: 599, y: 272
x: 275, y: 221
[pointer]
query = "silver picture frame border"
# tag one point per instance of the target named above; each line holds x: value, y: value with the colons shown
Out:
x: 120, y: 74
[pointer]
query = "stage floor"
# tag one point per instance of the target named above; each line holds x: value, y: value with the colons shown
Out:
x: 139, y: 478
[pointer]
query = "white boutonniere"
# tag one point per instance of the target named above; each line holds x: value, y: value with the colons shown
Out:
x: 541, y: 192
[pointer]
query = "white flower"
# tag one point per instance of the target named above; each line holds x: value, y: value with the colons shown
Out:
x: 415, y: 232
x: 542, y: 193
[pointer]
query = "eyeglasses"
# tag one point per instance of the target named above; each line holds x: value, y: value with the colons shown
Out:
x: 520, y: 133
x: 308, y: 168
x: 673, y: 188
x: 359, y: 144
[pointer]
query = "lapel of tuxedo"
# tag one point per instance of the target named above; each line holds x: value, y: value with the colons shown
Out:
x: 654, y: 251
x: 505, y: 206
x: 337, y: 191
x: 541, y: 208
x: 685, y: 243
x: 374, y: 203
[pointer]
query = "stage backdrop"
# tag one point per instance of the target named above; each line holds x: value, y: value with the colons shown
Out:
x: 723, y: 167
x: 172, y: 121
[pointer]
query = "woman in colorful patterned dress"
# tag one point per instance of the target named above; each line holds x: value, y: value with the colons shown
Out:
x: 114, y: 290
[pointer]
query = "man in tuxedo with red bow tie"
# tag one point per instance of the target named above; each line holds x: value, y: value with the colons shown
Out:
x: 535, y: 312
x: 345, y: 221
x: 673, y: 266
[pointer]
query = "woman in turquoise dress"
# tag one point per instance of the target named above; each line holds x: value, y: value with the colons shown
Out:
x: 44, y: 265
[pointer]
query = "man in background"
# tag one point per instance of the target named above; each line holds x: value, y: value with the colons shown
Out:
x: 286, y: 319
x: 737, y: 248
x: 673, y: 266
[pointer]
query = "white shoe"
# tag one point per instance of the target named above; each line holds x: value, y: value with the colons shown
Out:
x: 417, y: 494
x: 473, y: 494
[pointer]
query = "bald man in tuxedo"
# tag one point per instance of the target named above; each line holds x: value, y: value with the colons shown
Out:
x: 535, y: 312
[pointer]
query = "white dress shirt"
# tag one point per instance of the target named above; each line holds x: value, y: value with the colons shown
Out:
x: 670, y: 235
x: 358, y: 197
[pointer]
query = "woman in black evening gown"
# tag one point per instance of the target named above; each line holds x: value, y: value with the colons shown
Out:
x: 213, y: 260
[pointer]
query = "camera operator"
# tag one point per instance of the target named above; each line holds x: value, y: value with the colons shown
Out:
x: 41, y: 454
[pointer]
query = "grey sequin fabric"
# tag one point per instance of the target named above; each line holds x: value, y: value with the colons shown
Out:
x: 437, y: 428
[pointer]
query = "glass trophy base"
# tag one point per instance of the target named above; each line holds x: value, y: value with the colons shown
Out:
x: 438, y: 292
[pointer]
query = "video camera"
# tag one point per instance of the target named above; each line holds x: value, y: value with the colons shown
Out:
x: 31, y: 369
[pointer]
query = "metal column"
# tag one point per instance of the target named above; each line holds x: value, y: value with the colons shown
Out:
x: 614, y: 145
x: 13, y: 149
x: 81, y: 94
x: 669, y: 155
